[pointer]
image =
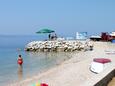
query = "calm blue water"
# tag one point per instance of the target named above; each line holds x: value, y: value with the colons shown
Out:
x: 33, y: 62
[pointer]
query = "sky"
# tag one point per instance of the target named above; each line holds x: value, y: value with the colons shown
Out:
x: 66, y: 17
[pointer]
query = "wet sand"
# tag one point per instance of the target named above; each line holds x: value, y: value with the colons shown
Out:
x: 75, y: 71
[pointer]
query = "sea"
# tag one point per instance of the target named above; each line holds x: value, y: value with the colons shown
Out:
x: 34, y: 62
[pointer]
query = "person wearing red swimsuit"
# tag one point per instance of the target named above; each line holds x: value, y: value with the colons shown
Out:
x: 20, y: 60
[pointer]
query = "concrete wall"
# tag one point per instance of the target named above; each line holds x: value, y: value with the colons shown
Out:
x: 106, y: 79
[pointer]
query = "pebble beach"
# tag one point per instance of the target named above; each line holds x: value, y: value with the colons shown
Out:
x: 75, y: 71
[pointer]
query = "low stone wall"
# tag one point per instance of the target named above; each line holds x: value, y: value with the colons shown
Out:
x: 106, y: 79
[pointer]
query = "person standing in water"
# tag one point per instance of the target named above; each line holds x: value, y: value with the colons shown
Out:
x: 20, y: 68
x: 20, y: 60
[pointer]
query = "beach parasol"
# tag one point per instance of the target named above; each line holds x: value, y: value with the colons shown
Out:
x: 45, y: 30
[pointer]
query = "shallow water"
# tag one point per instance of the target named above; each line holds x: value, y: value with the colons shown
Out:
x: 33, y: 62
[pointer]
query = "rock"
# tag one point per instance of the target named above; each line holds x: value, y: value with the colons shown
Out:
x: 58, y: 46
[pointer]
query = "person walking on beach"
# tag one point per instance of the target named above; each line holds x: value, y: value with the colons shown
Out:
x: 20, y: 60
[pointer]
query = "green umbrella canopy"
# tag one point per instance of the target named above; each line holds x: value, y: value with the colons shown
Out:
x: 45, y: 31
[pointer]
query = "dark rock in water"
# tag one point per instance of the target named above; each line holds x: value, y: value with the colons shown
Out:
x: 91, y: 48
x: 27, y: 49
